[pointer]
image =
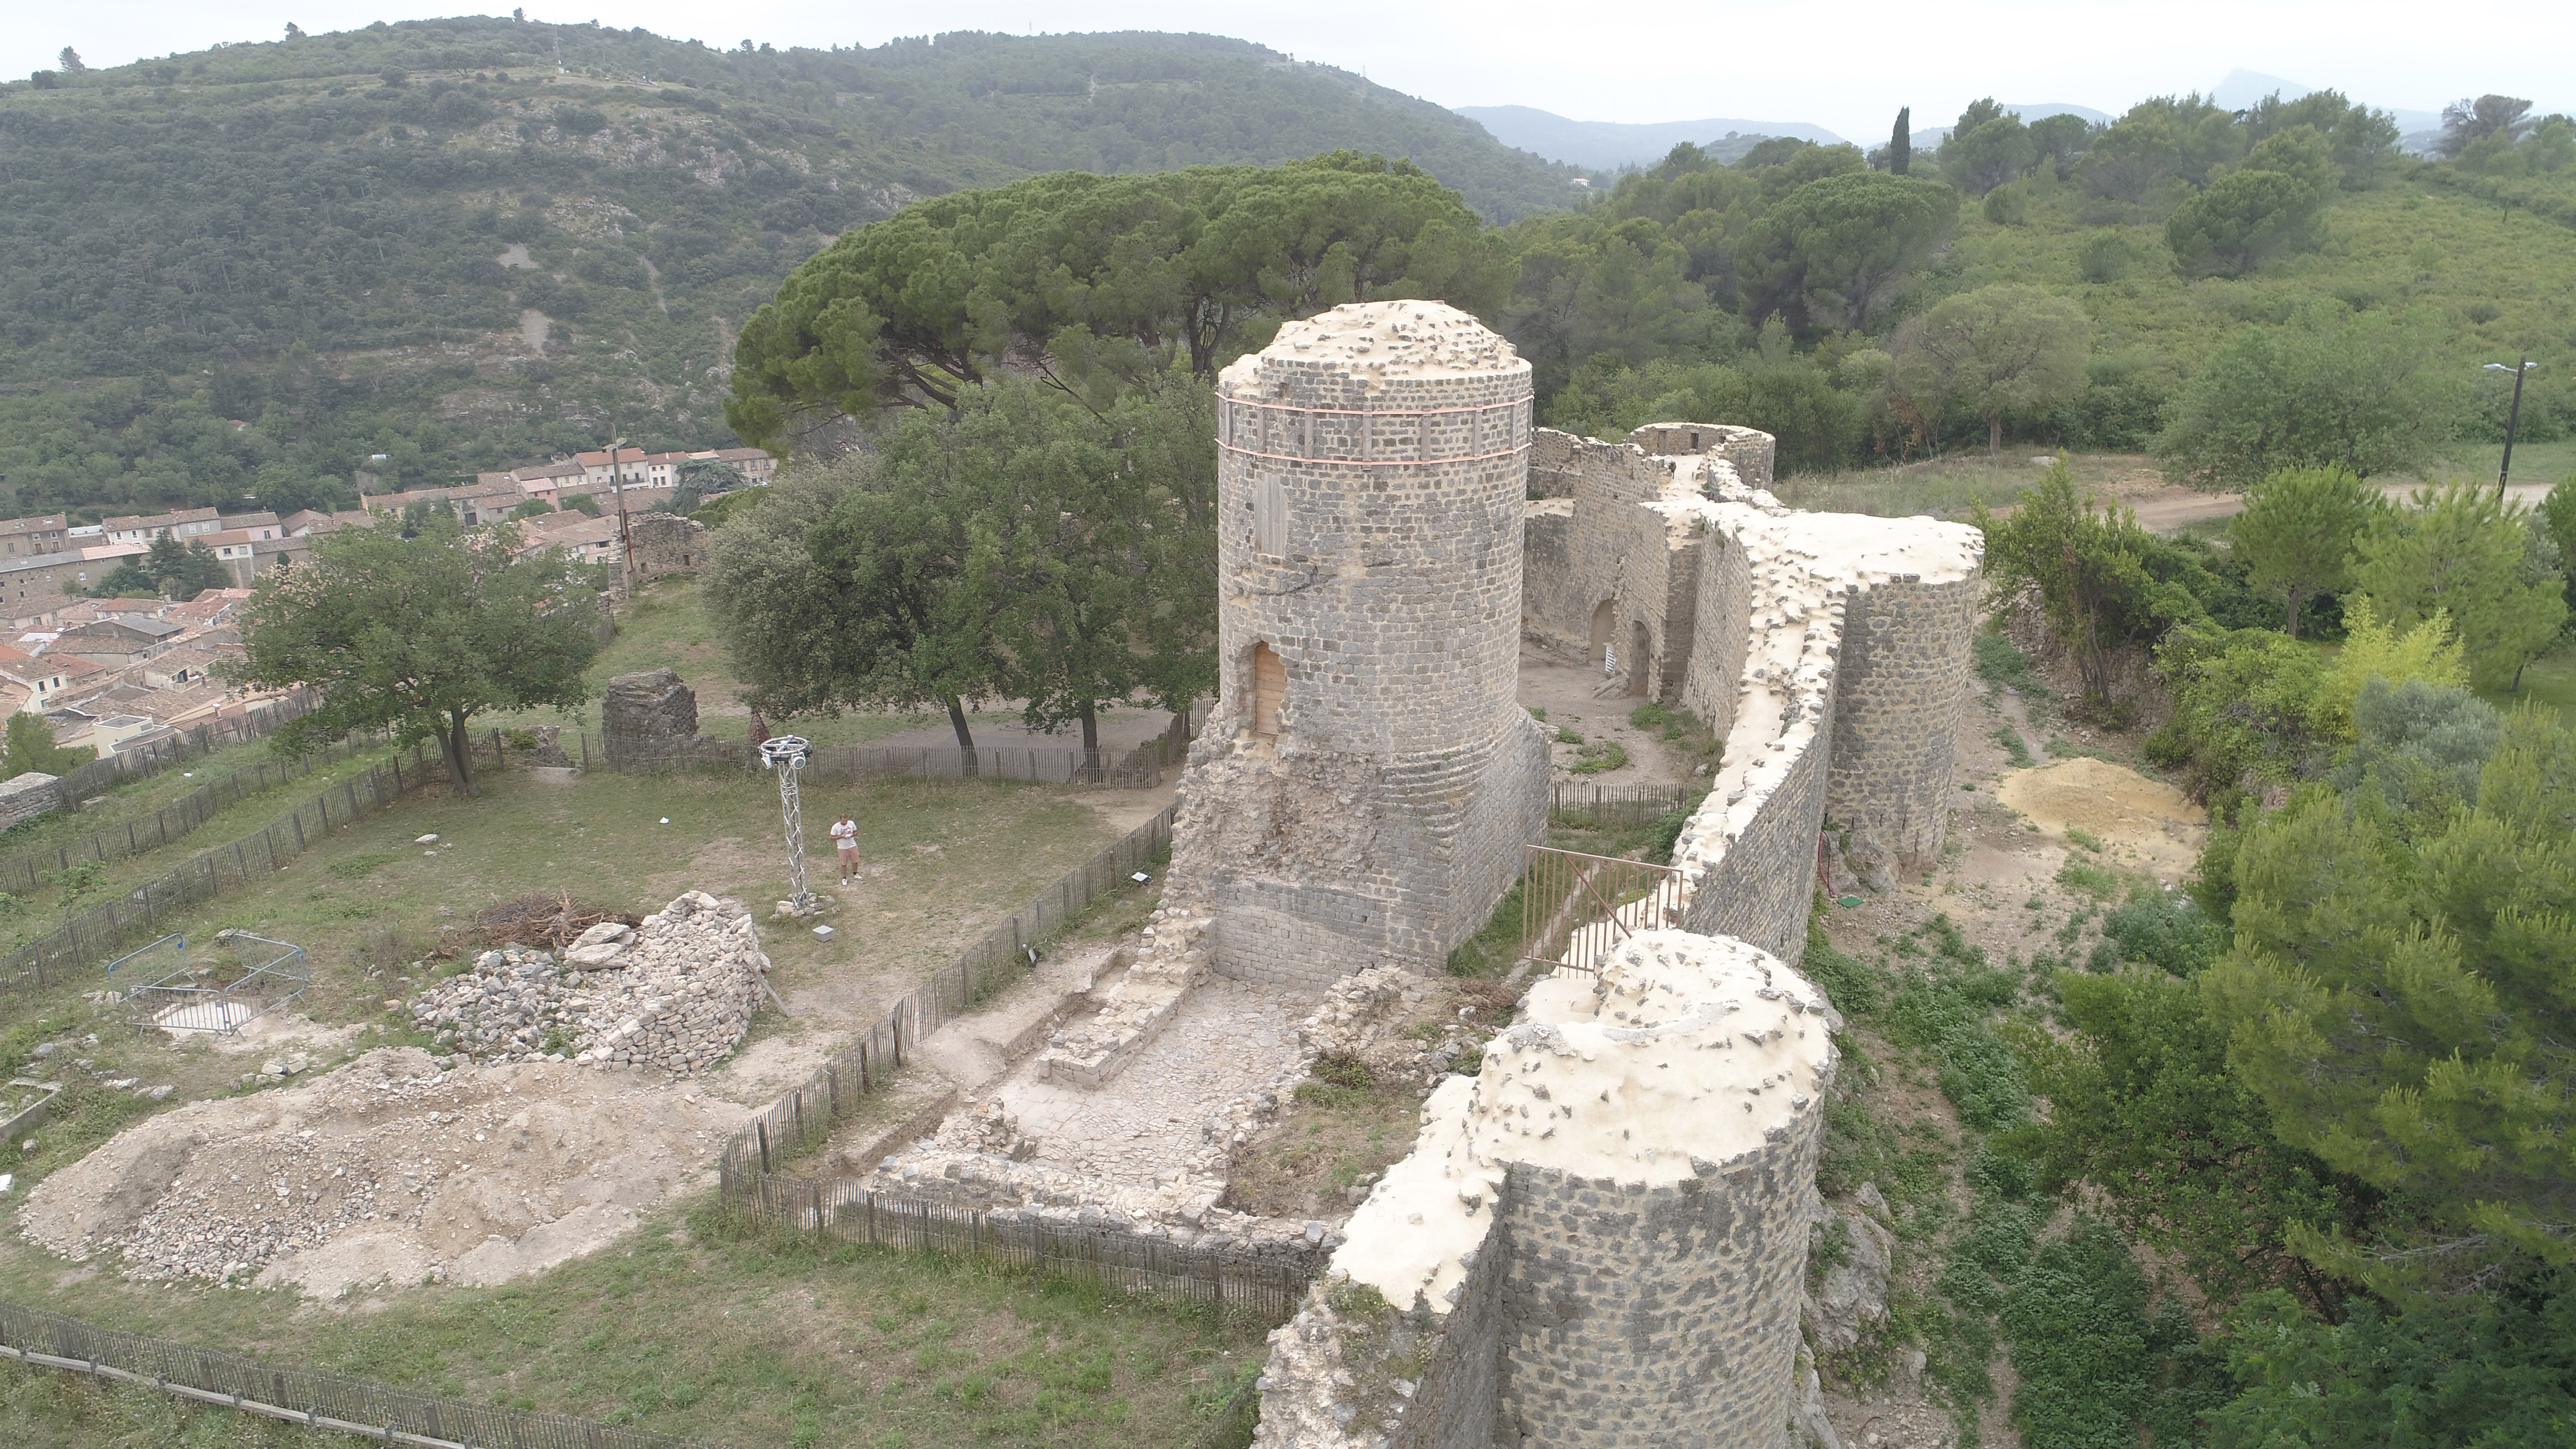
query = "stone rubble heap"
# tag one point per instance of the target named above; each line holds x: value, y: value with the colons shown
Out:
x: 389, y: 1158
x: 680, y: 995
x: 676, y: 993
x: 514, y: 1005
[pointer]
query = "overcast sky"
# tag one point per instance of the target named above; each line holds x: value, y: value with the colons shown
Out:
x: 1843, y: 66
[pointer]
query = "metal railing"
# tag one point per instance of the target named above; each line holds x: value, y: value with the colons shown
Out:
x: 181, y: 1000
x: 1576, y: 908
x: 1573, y: 802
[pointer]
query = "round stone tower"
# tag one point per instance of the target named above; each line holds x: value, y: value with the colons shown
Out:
x: 1367, y: 785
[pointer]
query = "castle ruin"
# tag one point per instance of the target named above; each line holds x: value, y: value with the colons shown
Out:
x: 1369, y: 778
x: 1599, y: 1237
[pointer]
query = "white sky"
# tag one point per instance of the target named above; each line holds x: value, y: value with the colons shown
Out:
x: 1846, y: 67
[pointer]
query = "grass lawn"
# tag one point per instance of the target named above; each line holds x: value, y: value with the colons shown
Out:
x: 666, y: 627
x: 2549, y: 683
x: 693, y: 1328
x: 1949, y: 487
x: 947, y: 861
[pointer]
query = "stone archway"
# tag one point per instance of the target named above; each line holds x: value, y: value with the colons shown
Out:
x: 1603, y: 618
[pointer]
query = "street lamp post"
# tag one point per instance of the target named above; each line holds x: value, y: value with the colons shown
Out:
x: 2511, y: 418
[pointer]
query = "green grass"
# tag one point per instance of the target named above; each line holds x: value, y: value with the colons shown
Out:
x: 1948, y: 487
x: 695, y: 1328
x: 2547, y: 683
x: 956, y: 857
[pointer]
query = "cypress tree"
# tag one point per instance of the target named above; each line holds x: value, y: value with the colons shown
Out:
x: 1900, y: 143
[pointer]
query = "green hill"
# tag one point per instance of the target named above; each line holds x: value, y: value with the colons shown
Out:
x: 466, y: 243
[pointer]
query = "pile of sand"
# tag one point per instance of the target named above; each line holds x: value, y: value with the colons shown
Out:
x: 2123, y: 809
x: 387, y: 1170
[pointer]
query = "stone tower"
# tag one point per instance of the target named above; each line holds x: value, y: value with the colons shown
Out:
x: 1364, y: 791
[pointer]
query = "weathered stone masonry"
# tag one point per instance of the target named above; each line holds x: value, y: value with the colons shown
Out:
x: 1363, y: 792
x: 1637, y: 1303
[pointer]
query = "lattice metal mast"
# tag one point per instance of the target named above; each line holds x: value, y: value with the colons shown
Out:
x: 787, y: 755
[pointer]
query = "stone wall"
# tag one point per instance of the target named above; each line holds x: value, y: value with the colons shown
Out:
x: 28, y: 795
x: 666, y: 543
x: 1599, y: 1239
x: 1637, y: 1316
x: 1627, y: 544
x: 1904, y: 679
x: 1371, y: 482
x: 651, y: 718
x: 1459, y: 1402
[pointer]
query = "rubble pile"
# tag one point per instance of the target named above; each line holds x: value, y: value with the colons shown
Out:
x: 386, y: 1169
x: 514, y: 1005
x: 678, y: 991
x: 674, y: 992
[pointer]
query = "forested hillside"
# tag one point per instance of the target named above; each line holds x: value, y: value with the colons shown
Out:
x: 471, y: 242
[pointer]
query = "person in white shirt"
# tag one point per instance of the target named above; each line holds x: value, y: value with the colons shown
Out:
x: 845, y: 834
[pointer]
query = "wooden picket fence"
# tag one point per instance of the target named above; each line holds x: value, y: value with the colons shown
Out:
x: 311, y: 1397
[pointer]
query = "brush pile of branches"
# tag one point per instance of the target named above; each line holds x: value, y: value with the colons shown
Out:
x: 538, y: 919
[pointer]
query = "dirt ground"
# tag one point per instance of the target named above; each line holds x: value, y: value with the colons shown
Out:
x: 1564, y: 688
x: 384, y: 1173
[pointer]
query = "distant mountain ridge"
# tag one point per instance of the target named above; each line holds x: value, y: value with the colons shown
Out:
x: 1610, y: 145
x: 437, y: 247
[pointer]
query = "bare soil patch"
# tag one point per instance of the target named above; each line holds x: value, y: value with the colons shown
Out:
x: 387, y: 1170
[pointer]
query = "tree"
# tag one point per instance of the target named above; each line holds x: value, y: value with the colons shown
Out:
x: 2244, y: 218
x: 418, y: 635
x: 2427, y: 652
x: 2297, y: 533
x: 2142, y: 1105
x: 169, y: 569
x: 2462, y: 552
x: 2362, y: 141
x: 1099, y: 283
x: 2059, y: 140
x: 2244, y: 710
x: 2163, y: 137
x: 2005, y: 348
x: 2369, y: 393
x: 1838, y: 251
x: 2088, y: 570
x: 1986, y: 149
x: 2401, y: 1004
x: 30, y: 746
x: 532, y: 508
x: 1094, y: 552
x: 1900, y: 143
x: 2464, y: 122
x: 70, y: 63
x: 581, y: 503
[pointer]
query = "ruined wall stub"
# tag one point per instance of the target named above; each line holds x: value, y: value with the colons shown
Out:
x: 1363, y: 793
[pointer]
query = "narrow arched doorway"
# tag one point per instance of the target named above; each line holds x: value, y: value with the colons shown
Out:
x: 1269, y: 685
x: 1602, y: 618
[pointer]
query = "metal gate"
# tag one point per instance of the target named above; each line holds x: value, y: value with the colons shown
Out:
x: 1576, y: 908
